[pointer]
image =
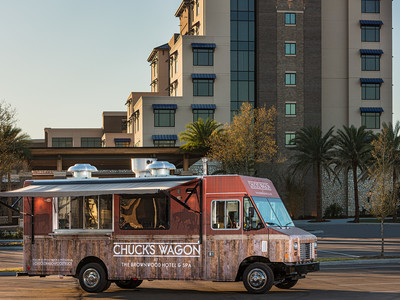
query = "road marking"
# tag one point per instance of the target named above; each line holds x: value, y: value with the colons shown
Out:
x: 332, y: 252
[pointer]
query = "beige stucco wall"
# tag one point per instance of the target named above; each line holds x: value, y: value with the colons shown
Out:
x: 108, y: 139
x: 217, y: 20
x: 75, y: 133
x: 341, y: 62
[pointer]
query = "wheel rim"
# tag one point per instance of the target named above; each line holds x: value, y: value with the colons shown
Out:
x: 257, y: 279
x: 91, y: 277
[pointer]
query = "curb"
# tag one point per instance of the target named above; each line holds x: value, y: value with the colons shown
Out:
x: 381, y: 261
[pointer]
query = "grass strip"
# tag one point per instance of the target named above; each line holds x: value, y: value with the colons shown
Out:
x: 12, y: 270
x: 355, y: 258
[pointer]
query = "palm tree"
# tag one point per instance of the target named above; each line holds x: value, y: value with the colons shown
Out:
x: 393, y: 139
x: 14, y: 151
x: 314, y: 152
x: 197, y: 135
x: 352, y: 152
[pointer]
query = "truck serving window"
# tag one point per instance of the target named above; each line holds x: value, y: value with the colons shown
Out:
x: 89, y: 212
x: 251, y: 220
x: 144, y: 212
x: 225, y: 214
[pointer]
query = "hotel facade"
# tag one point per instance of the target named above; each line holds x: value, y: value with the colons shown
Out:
x: 319, y: 62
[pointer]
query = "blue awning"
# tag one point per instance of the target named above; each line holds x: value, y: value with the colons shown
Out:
x: 371, y: 51
x: 204, y: 45
x: 165, y: 106
x: 165, y: 137
x: 371, y: 109
x: 371, y: 80
x: 122, y: 140
x: 204, y: 76
x: 204, y: 106
x: 371, y: 22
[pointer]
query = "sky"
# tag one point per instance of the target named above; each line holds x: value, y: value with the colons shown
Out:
x: 64, y: 62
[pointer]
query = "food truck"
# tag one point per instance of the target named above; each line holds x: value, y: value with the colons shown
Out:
x: 126, y: 230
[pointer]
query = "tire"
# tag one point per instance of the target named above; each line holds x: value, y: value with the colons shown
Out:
x: 128, y: 284
x: 93, y: 278
x: 287, y: 284
x: 107, y: 285
x: 258, y: 278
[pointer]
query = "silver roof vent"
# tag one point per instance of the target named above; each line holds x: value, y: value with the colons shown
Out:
x: 160, y: 168
x: 82, y: 171
x: 139, y: 166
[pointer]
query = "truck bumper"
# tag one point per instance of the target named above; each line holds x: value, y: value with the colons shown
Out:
x: 302, y: 269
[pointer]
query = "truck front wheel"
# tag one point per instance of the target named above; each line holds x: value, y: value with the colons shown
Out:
x: 258, y: 278
x: 93, y: 278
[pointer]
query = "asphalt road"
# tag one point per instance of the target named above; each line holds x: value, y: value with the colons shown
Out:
x: 338, y: 238
x: 350, y: 281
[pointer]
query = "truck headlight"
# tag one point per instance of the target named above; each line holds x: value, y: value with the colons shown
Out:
x: 296, y: 246
x: 315, y: 245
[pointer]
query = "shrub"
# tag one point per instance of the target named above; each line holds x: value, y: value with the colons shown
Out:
x: 333, y: 211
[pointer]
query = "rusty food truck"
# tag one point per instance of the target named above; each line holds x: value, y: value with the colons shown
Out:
x: 216, y: 228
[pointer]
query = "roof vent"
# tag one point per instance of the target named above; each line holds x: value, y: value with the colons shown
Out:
x: 82, y: 171
x: 139, y: 166
x: 160, y: 168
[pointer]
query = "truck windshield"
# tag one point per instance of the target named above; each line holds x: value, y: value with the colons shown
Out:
x: 273, y: 211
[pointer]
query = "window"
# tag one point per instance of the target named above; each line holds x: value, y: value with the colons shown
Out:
x: 243, y: 57
x: 290, y: 78
x: 144, y: 212
x: 290, y: 18
x: 290, y: 48
x: 370, y: 91
x: 203, y: 87
x: 203, y: 57
x: 164, y: 118
x: 370, y: 6
x: 251, y: 220
x: 88, y: 212
x: 225, y: 214
x: 370, y: 62
x: 371, y: 120
x: 122, y: 144
x: 90, y: 142
x: 136, y: 121
x: 173, y: 64
x: 290, y: 109
x: 370, y: 33
x: 203, y: 113
x: 290, y: 138
x: 154, y: 66
x: 197, y: 7
x: 62, y: 142
x: 154, y: 86
x: 164, y: 143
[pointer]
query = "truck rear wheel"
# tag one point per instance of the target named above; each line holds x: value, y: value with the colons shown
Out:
x: 258, y: 278
x: 128, y: 284
x: 93, y: 278
x: 287, y: 284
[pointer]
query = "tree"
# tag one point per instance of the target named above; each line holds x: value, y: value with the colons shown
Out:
x: 313, y: 153
x: 352, y: 152
x: 393, y: 139
x: 197, y: 135
x: 14, y: 145
x: 381, y: 199
x: 247, y: 141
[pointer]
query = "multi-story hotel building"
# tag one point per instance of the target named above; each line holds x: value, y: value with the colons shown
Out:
x: 319, y: 62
